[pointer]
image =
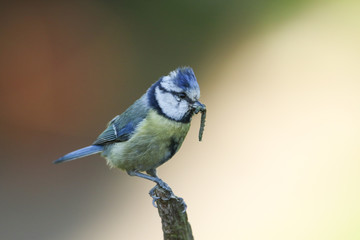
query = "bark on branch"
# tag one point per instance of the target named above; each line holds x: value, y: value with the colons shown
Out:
x: 172, y: 211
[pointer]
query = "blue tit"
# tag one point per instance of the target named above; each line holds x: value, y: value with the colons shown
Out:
x: 151, y: 130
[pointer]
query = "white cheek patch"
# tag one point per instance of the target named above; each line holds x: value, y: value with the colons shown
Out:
x: 170, y: 106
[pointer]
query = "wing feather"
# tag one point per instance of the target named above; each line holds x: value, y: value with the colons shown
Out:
x: 121, y: 127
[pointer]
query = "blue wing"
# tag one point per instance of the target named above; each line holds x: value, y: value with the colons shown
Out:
x: 121, y: 128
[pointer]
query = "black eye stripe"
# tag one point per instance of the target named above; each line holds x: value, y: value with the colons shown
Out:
x: 181, y: 95
x: 188, y: 99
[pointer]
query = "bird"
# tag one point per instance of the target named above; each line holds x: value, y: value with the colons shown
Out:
x: 151, y: 130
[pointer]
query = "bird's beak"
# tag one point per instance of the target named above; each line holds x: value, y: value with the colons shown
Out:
x: 198, y: 107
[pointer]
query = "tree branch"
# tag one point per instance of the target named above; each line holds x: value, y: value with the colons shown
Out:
x: 172, y: 211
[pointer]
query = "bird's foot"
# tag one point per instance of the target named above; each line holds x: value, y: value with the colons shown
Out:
x: 168, y: 193
x: 154, y: 197
x: 164, y: 193
x: 165, y: 186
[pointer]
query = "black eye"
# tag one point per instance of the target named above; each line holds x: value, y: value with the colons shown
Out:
x: 182, y: 95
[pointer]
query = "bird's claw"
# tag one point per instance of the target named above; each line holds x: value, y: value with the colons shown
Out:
x: 154, y: 201
x: 154, y: 197
x: 168, y: 197
x: 165, y: 186
x: 152, y: 192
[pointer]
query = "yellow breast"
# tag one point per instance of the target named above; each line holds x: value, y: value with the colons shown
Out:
x: 151, y: 145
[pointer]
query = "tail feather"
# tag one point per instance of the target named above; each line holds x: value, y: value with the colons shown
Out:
x: 83, y: 152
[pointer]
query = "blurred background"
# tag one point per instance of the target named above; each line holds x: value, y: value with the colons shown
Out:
x: 280, y: 156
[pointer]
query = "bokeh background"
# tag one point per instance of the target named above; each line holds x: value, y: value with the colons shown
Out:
x: 280, y: 157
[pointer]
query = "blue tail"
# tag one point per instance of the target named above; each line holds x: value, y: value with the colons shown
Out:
x: 83, y: 152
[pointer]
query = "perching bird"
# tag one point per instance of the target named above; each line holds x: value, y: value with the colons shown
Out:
x: 151, y: 130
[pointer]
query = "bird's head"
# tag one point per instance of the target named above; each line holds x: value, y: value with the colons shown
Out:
x: 176, y: 96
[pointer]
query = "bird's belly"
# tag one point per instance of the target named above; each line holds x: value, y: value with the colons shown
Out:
x: 155, y: 141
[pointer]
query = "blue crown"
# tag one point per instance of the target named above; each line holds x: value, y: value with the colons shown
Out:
x: 185, y: 78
